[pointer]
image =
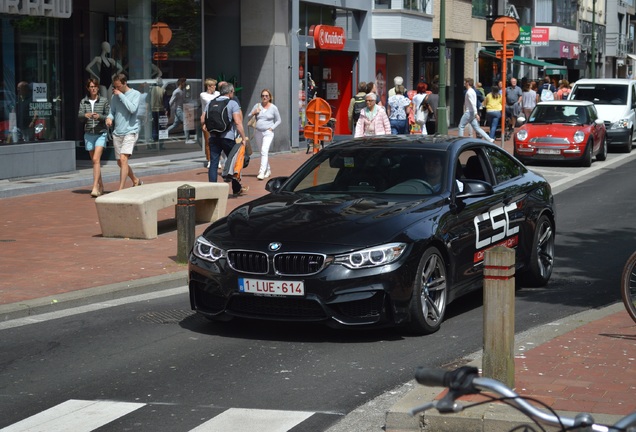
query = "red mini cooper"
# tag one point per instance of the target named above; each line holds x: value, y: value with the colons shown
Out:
x: 563, y: 130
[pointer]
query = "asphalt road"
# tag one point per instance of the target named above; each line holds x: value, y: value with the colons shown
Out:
x: 170, y: 370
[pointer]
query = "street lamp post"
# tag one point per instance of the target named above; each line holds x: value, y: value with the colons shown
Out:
x: 442, y: 125
x: 593, y: 62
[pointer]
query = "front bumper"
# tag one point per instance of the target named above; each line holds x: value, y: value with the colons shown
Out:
x: 617, y: 137
x: 337, y: 296
x: 557, y: 149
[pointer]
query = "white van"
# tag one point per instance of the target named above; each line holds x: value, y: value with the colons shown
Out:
x: 615, y: 101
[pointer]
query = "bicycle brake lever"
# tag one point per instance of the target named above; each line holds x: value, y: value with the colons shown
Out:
x: 422, y: 408
x: 448, y: 405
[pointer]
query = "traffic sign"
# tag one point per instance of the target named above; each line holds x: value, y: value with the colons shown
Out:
x: 509, y: 54
x: 320, y: 133
x: 505, y: 30
x: 160, y: 34
x: 318, y: 112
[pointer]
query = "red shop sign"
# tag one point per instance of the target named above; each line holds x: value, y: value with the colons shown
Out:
x: 329, y: 37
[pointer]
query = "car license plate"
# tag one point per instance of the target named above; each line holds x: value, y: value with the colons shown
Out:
x: 549, y: 151
x: 271, y: 287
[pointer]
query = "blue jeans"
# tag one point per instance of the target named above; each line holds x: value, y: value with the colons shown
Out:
x: 178, y: 119
x: 218, y: 145
x: 398, y: 127
x: 493, y: 118
x: 467, y: 118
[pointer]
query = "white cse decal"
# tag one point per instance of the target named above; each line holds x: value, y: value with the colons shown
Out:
x: 500, y: 222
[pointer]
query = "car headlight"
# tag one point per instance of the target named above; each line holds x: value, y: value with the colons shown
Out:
x: 372, y: 257
x: 207, y: 251
x: 620, y: 124
x: 522, y: 135
x: 579, y: 136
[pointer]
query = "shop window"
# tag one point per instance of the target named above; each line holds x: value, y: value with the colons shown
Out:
x: 560, y: 13
x: 312, y: 14
x: 30, y: 95
x: 484, y: 8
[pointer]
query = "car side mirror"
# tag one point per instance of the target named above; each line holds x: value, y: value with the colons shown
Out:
x: 274, y: 185
x: 475, y: 188
x: 598, y: 121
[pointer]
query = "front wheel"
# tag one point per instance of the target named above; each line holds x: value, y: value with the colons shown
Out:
x: 542, y: 256
x: 628, y: 286
x: 586, y: 160
x: 628, y: 147
x: 430, y: 292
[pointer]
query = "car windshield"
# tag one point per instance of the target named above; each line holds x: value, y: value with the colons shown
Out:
x: 601, y: 94
x: 559, y: 114
x: 371, y: 170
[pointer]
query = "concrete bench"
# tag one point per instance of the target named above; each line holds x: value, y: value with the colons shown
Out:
x: 132, y: 212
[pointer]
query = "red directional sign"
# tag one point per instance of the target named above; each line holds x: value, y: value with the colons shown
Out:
x: 318, y: 115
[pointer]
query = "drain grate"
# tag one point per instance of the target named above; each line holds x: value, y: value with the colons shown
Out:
x: 7, y: 241
x: 165, y: 317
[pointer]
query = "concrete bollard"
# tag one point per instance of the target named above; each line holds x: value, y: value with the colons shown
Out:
x: 499, y: 315
x: 186, y: 215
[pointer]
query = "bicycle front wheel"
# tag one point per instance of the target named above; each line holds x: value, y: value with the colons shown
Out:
x: 628, y: 286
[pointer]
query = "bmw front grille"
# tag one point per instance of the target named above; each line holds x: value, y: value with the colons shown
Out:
x: 284, y: 264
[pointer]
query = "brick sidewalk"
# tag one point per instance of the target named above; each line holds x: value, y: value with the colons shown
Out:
x: 51, y: 242
x: 589, y: 369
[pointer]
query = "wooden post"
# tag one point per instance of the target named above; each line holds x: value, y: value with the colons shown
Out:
x: 499, y: 315
x: 185, y: 221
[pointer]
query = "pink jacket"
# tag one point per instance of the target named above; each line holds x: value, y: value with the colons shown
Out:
x: 380, y: 123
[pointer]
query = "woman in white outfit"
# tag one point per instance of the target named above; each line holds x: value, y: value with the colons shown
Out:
x: 267, y: 119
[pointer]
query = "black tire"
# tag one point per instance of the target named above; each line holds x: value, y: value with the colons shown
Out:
x: 542, y: 256
x: 628, y: 146
x: 430, y: 294
x: 628, y: 286
x: 586, y: 160
x: 602, y: 154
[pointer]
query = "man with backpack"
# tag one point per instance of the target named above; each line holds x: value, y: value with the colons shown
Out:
x: 547, y: 90
x: 356, y: 105
x: 223, y: 119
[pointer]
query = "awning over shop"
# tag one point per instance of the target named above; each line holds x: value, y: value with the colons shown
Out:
x: 631, y: 56
x: 550, y: 68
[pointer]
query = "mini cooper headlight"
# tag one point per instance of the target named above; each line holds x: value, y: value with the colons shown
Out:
x: 372, y: 257
x: 522, y: 135
x: 579, y: 136
x: 206, y: 250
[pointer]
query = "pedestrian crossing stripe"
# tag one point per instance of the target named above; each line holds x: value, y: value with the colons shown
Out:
x: 75, y: 415
x: 86, y: 416
x: 256, y: 420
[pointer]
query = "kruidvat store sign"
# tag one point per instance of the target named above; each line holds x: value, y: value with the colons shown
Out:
x: 329, y: 37
x: 44, y: 8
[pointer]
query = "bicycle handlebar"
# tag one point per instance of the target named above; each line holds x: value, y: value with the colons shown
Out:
x: 466, y: 380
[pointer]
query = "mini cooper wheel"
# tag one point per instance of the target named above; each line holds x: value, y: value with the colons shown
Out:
x: 430, y: 292
x: 542, y: 257
x: 586, y: 160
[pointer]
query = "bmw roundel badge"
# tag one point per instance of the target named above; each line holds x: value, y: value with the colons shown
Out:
x: 274, y: 246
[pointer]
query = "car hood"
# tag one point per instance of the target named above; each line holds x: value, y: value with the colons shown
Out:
x: 553, y: 130
x: 335, y: 221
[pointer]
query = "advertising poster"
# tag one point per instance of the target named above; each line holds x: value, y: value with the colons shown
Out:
x: 380, y: 76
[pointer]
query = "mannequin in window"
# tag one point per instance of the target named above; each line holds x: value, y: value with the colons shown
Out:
x: 103, y: 67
